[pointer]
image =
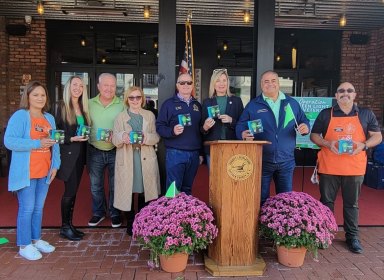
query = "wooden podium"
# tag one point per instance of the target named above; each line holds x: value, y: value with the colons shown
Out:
x: 234, y: 195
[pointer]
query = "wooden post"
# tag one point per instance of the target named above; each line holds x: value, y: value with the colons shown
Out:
x: 234, y: 195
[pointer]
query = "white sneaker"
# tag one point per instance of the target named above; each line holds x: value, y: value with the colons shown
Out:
x: 30, y: 253
x: 44, y: 246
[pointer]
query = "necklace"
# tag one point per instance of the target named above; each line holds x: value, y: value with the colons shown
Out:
x: 77, y: 110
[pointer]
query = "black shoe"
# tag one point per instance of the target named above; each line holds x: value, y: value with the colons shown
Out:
x: 66, y: 232
x: 354, y: 246
x: 78, y: 232
x: 95, y: 220
x: 116, y: 221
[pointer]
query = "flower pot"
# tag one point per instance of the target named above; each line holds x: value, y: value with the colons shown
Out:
x: 291, y: 257
x: 174, y: 263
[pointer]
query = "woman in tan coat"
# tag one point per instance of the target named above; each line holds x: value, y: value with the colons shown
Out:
x: 137, y: 178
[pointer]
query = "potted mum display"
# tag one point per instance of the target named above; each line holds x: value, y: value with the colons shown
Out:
x: 173, y: 228
x: 297, y: 222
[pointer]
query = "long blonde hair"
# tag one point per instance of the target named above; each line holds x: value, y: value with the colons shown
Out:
x: 67, y: 110
x: 215, y: 76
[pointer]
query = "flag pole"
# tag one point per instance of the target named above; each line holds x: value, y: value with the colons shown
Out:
x: 189, y: 17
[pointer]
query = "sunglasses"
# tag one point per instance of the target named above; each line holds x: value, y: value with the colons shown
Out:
x: 224, y: 70
x: 185, y: 83
x: 342, y: 90
x: 135, y: 97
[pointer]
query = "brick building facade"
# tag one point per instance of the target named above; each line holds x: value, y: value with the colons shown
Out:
x: 20, y: 55
x: 363, y: 65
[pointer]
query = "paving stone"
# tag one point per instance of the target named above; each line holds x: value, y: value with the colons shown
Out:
x: 107, y: 253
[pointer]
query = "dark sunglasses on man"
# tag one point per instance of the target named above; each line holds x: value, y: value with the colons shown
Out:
x: 185, y: 82
x: 342, y: 90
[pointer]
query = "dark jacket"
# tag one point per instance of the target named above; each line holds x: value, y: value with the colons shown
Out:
x: 283, y: 140
x: 190, y: 139
x: 70, y: 152
x: 234, y: 109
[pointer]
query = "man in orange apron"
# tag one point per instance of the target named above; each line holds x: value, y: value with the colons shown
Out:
x: 344, y: 133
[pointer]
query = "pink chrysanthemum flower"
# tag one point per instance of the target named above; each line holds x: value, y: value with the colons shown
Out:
x: 296, y: 219
x: 174, y: 225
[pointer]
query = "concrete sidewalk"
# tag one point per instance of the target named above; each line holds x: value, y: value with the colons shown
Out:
x: 108, y: 253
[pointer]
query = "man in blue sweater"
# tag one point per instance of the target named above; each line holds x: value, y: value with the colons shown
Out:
x: 179, y: 124
x: 281, y: 118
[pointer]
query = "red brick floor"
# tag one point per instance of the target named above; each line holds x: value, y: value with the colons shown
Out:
x: 108, y: 253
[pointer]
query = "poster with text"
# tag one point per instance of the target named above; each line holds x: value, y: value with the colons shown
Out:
x: 312, y: 107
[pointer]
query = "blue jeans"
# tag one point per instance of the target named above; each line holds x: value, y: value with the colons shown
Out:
x: 29, y: 218
x: 282, y: 175
x: 98, y: 161
x: 182, y: 168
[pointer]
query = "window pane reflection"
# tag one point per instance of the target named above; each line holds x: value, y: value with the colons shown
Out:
x: 287, y: 86
x: 241, y: 87
x: 123, y: 82
x: 150, y: 87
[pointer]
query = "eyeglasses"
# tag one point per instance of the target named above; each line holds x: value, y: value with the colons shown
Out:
x: 135, y: 97
x: 185, y: 82
x: 342, y: 90
x: 224, y: 70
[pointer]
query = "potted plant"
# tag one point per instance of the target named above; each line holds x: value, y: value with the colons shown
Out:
x: 173, y: 227
x: 296, y: 221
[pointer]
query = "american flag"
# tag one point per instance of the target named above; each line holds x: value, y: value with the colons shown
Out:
x: 187, y: 64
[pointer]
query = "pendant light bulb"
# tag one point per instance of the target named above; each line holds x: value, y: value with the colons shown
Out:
x: 146, y: 13
x: 343, y: 20
x: 247, y: 16
x: 40, y: 8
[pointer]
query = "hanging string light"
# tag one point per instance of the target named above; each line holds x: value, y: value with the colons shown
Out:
x: 343, y: 20
x: 247, y: 16
x: 40, y: 7
x: 146, y: 13
x: 294, y: 57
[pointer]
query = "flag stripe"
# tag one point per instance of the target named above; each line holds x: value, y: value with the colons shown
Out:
x: 187, y: 63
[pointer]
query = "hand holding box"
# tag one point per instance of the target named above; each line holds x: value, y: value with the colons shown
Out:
x: 57, y: 135
x: 213, y: 111
x: 104, y: 134
x: 136, y: 137
x: 255, y: 126
x: 185, y: 119
x: 83, y: 130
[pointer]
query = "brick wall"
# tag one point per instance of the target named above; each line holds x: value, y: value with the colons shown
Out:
x: 4, y: 110
x: 363, y: 66
x: 20, y: 55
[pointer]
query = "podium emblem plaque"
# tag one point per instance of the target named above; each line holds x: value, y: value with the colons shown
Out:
x: 239, y: 167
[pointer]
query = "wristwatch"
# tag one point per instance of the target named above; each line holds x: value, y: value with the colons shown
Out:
x: 365, y: 147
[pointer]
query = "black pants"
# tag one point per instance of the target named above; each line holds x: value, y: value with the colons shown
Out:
x: 73, y: 182
x: 350, y: 190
